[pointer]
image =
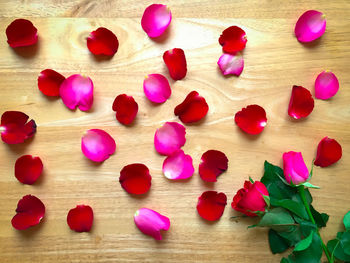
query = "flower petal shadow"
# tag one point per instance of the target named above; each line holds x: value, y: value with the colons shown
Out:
x: 27, y: 52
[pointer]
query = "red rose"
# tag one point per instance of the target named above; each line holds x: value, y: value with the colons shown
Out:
x: 250, y: 198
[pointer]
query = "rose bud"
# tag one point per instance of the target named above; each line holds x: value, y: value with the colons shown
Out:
x: 294, y: 168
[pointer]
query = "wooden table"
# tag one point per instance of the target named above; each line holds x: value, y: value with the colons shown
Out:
x: 274, y: 61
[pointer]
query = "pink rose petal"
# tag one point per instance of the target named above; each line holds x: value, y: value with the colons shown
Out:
x: 310, y: 26
x: 326, y: 85
x: 156, y: 88
x: 231, y: 64
x: 178, y: 166
x: 169, y: 138
x: 155, y: 20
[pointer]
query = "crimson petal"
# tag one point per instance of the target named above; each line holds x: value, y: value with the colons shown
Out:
x: 301, y: 103
x: 329, y: 151
x: 213, y: 163
x: 49, y: 82
x: 251, y: 119
x: 126, y: 108
x: 211, y: 205
x: 192, y: 109
x: 80, y: 218
x: 21, y: 32
x: 175, y: 61
x: 28, y: 169
x: 135, y: 178
x: 102, y: 41
x: 233, y: 39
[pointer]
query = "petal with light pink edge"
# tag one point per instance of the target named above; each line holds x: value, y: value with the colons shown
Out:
x: 155, y: 20
x: 77, y: 91
x: 151, y: 222
x: 97, y: 145
x: 231, y: 64
x: 169, y: 138
x: 156, y: 88
x: 310, y: 26
x: 28, y: 169
x: 326, y: 85
x: 178, y: 166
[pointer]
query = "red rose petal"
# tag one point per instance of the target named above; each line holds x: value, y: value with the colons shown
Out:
x: 49, y: 82
x: 28, y: 169
x: 175, y: 61
x: 301, y: 103
x: 251, y: 119
x: 30, y: 210
x: 211, y: 205
x: 80, y: 218
x: 14, y: 127
x: 126, y: 108
x: 329, y: 151
x: 102, y: 41
x: 192, y: 109
x: 213, y: 163
x: 135, y: 178
x: 21, y: 32
x: 233, y: 39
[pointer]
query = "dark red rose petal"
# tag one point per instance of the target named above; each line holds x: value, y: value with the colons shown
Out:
x: 135, y: 178
x: 329, y: 151
x: 233, y: 39
x: 301, y: 103
x: 28, y: 169
x: 80, y: 218
x: 14, y: 127
x: 102, y: 42
x: 211, y: 205
x: 251, y: 119
x: 192, y: 109
x: 30, y: 210
x: 126, y: 108
x: 213, y: 163
x: 49, y: 82
x: 175, y: 61
x: 21, y: 32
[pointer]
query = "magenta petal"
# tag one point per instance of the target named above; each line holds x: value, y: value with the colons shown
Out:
x: 77, y: 91
x: 310, y: 26
x: 97, y: 145
x: 326, y: 85
x: 169, y: 138
x: 231, y: 64
x: 156, y: 88
x: 178, y: 166
x: 151, y: 222
x: 155, y: 20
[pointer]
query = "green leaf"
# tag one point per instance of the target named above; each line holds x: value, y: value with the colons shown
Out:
x: 293, y: 236
x: 345, y: 242
x: 251, y: 180
x: 285, y: 260
x: 307, y: 227
x: 312, y: 254
x: 278, y: 219
x: 293, y: 206
x: 309, y: 185
x: 337, y: 250
x: 277, y: 243
x: 267, y: 200
x: 346, y: 221
x: 305, y: 243
x: 321, y: 219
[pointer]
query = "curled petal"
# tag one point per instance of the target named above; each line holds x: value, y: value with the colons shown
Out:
x: 178, y: 166
x: 301, y: 103
x: 102, y: 41
x: 329, y: 151
x: 14, y: 127
x: 192, y: 109
x: 30, y: 210
x: 231, y: 64
x: 175, y: 61
x: 77, y: 91
x: 251, y: 119
x: 156, y: 88
x: 310, y: 26
x: 211, y: 205
x: 21, y: 32
x: 80, y: 218
x: 326, y: 85
x: 169, y: 138
x: 233, y: 39
x: 126, y: 108
x: 28, y: 169
x: 49, y: 82
x: 294, y: 168
x: 97, y: 145
x: 213, y: 163
x: 135, y: 178
x: 155, y: 20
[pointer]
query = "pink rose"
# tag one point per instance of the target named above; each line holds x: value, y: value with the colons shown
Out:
x: 294, y: 168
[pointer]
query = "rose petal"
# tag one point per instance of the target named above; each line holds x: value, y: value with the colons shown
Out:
x: 49, y: 82
x: 192, y: 109
x: 126, y: 108
x: 213, y: 163
x: 102, y: 41
x: 251, y: 119
x: 21, y: 32
x: 178, y: 166
x: 310, y: 26
x: 211, y: 205
x: 97, y: 145
x: 233, y: 39
x: 294, y: 168
x: 301, y: 103
x: 329, y: 151
x: 231, y: 64
x: 326, y: 85
x: 28, y: 169
x: 135, y: 178
x: 151, y: 222
x: 175, y: 61
x: 155, y: 20
x: 14, y: 127
x: 169, y: 138
x: 77, y: 91
x: 30, y: 210
x: 156, y: 88
x: 80, y: 218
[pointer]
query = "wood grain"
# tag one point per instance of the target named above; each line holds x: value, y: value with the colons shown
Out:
x: 274, y: 61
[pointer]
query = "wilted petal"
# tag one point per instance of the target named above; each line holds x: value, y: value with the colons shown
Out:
x: 126, y: 108
x: 301, y: 103
x: 326, y: 85
x: 28, y: 169
x: 169, y: 138
x: 310, y: 26
x: 329, y: 151
x: 211, y: 205
x: 155, y: 20
x: 135, y: 178
x: 213, y: 163
x: 192, y: 109
x: 49, y: 82
x: 231, y: 64
x: 102, y: 41
x: 175, y: 61
x: 178, y: 166
x: 156, y: 88
x: 80, y: 218
x: 21, y: 32
x: 251, y: 119
x: 233, y: 39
